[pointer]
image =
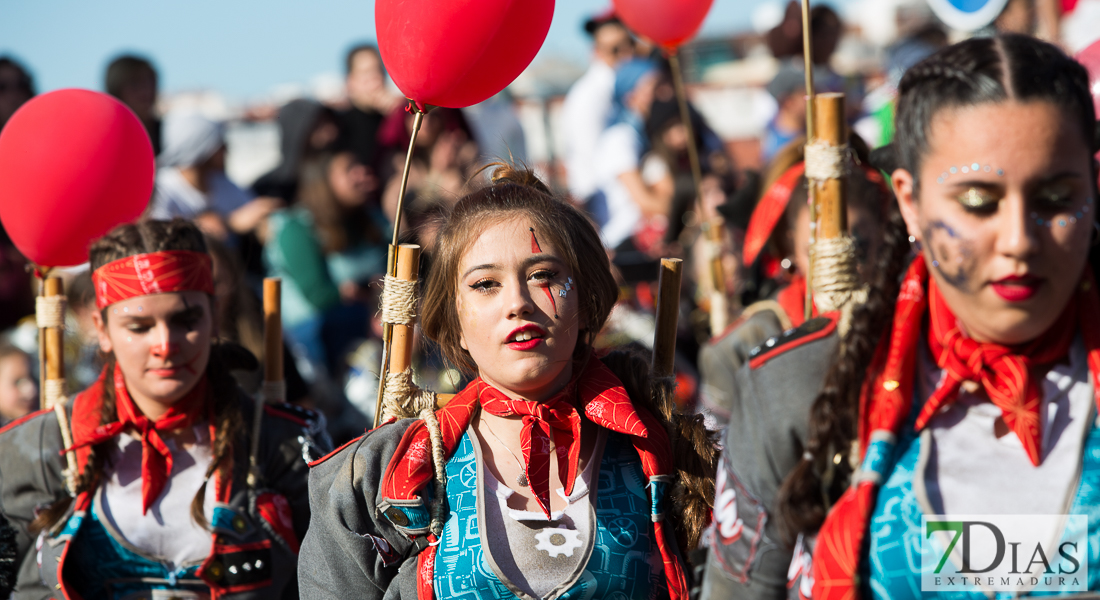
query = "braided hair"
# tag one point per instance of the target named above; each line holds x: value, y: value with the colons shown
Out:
x: 977, y: 71
x: 141, y: 238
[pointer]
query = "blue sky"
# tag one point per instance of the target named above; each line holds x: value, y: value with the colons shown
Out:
x: 242, y: 48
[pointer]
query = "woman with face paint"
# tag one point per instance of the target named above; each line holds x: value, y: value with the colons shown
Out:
x: 562, y: 476
x: 163, y: 503
x: 967, y: 383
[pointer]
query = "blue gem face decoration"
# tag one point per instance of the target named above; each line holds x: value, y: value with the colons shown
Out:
x: 971, y: 168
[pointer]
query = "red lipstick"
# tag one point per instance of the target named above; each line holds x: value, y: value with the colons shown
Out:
x: 537, y: 334
x: 1017, y: 288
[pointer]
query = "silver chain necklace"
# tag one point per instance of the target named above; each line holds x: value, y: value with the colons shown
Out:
x: 521, y: 479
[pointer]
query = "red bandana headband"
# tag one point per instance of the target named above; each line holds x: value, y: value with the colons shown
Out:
x: 153, y: 273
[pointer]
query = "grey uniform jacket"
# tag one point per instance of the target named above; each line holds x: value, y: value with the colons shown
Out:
x: 31, y: 467
x: 722, y: 357
x: 770, y: 402
x: 351, y: 544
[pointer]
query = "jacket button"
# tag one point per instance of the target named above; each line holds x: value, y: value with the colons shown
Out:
x: 397, y: 517
x: 239, y: 524
x: 216, y: 570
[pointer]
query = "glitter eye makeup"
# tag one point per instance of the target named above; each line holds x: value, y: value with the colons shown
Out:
x: 976, y: 198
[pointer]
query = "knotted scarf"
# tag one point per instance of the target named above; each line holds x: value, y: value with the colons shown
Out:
x: 156, y: 457
x: 540, y: 419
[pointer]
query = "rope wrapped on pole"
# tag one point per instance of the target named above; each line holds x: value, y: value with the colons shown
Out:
x: 50, y: 317
x: 398, y: 396
x: 835, y: 278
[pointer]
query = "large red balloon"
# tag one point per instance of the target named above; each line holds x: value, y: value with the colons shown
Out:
x: 668, y: 23
x: 73, y: 165
x: 456, y: 53
x: 1090, y: 57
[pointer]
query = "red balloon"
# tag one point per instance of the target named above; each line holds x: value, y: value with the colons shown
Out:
x: 73, y: 165
x: 455, y: 54
x: 667, y: 23
x: 1090, y: 57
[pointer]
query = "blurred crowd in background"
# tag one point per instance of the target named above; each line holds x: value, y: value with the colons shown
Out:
x: 308, y: 190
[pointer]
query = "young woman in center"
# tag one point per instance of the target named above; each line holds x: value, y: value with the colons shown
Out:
x: 563, y: 478
x: 967, y: 383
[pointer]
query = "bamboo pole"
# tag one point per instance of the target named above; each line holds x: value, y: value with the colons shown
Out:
x: 54, y: 341
x: 274, y: 386
x: 273, y: 330
x: 52, y: 354
x: 408, y: 265
x: 808, y: 61
x: 668, y: 313
x: 711, y: 228
x: 831, y: 129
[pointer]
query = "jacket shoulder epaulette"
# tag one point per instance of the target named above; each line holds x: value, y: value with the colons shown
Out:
x: 810, y: 331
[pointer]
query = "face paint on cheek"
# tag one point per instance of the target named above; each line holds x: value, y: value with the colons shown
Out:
x: 553, y: 303
x: 952, y: 254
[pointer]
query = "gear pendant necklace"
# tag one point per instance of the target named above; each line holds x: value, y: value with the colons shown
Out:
x: 521, y: 479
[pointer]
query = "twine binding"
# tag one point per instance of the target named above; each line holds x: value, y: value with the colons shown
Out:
x: 825, y: 161
x: 398, y: 301
x: 49, y: 311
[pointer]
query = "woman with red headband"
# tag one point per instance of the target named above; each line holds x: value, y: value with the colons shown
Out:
x: 965, y: 388
x: 164, y: 502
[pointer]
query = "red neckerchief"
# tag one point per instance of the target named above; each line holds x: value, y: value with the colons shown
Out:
x: 156, y: 458
x: 537, y: 436
x: 1011, y: 376
x: 605, y: 402
x: 888, y: 392
x: 540, y: 419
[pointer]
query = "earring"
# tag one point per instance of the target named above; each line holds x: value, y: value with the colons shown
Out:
x: 917, y: 246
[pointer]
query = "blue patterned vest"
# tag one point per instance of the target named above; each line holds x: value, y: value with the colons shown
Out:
x: 892, y: 565
x: 625, y: 563
x: 102, y: 567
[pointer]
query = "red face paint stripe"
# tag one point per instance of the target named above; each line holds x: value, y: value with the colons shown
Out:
x: 535, y: 248
x: 554, y: 303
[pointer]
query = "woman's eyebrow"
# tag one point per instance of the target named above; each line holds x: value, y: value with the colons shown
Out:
x: 486, y: 267
x: 537, y: 258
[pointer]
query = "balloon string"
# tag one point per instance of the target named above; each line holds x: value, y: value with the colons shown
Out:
x: 689, y: 129
x: 709, y: 229
x: 418, y: 121
x: 811, y: 188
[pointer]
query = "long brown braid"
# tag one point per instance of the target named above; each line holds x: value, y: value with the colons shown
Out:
x: 140, y: 238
